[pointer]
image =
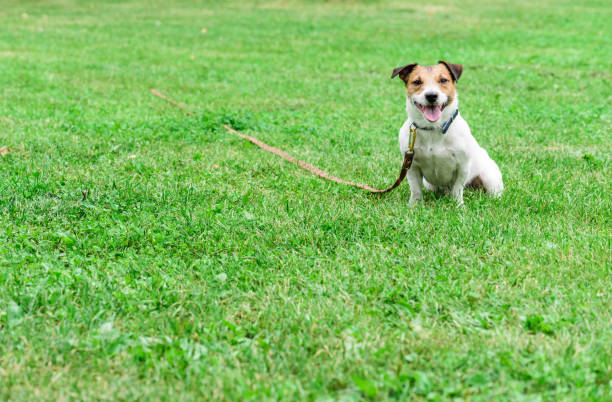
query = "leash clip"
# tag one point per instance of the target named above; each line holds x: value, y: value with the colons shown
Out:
x: 412, y: 138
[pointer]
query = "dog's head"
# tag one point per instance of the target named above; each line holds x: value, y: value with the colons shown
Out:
x: 430, y: 90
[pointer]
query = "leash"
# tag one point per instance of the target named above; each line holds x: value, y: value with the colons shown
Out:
x: 408, y: 156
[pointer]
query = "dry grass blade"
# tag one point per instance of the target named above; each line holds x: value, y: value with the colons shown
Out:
x: 164, y: 97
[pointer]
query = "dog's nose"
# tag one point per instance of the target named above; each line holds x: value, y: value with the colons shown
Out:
x: 431, y: 97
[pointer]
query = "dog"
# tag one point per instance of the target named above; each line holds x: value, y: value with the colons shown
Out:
x: 446, y: 155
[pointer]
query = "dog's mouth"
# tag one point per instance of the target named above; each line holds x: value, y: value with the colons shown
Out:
x: 431, y: 112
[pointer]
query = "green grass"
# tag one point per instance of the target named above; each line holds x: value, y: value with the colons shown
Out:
x: 145, y: 253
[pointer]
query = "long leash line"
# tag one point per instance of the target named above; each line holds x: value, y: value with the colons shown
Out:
x: 408, y: 156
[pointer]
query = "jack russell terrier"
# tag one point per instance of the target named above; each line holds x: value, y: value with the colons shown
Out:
x: 446, y: 155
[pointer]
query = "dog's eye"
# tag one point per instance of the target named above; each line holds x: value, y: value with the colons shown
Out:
x: 443, y: 80
x: 417, y: 82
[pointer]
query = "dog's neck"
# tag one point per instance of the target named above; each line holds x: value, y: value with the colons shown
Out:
x: 416, y: 116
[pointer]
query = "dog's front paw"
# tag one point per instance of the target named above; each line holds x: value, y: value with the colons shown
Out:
x: 458, y: 200
x: 415, y: 201
x: 457, y: 193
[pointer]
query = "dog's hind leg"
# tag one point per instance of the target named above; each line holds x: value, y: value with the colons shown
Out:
x: 490, y: 179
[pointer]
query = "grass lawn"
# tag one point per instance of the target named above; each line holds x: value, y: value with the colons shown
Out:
x: 146, y: 253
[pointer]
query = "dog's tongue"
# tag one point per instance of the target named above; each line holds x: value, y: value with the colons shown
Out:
x: 432, y: 113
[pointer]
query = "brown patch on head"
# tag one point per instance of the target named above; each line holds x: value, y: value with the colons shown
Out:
x: 454, y: 69
x: 423, y: 76
x: 403, y: 71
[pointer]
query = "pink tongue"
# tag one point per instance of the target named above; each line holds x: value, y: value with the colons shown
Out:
x: 432, y: 113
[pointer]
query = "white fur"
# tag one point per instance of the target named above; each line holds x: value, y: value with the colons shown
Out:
x: 445, y: 161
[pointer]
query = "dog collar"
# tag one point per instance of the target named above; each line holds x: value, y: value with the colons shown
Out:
x: 444, y: 127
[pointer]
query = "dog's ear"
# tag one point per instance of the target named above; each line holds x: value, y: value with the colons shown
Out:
x: 404, y: 71
x: 454, y: 69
